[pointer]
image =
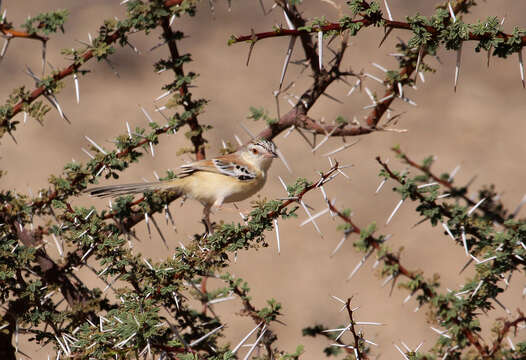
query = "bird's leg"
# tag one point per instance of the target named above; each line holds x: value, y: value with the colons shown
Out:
x: 206, y: 220
x: 206, y: 214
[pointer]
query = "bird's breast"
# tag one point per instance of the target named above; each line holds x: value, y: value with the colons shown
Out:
x: 207, y: 187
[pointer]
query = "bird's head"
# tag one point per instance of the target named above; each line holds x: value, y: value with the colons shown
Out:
x: 260, y: 152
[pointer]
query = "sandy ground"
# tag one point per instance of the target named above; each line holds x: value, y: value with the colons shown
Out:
x: 481, y: 127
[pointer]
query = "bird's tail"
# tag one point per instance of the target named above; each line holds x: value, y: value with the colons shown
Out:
x: 127, y: 189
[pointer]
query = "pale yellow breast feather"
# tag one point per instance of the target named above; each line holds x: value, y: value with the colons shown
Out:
x: 207, y: 187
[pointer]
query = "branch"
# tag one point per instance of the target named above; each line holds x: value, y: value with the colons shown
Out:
x: 197, y: 139
x: 449, y: 185
x: 376, y: 114
x: 508, y: 325
x: 359, y: 354
x: 388, y: 258
x: 366, y: 22
x: 71, y: 69
x: 9, y: 33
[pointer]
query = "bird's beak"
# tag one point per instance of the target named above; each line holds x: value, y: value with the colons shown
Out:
x: 271, y: 154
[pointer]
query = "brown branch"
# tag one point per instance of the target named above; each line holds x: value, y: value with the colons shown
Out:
x: 508, y: 325
x: 197, y: 139
x: 306, y: 40
x: 297, y: 116
x: 473, y: 338
x: 9, y: 33
x: 365, y: 23
x: 307, y: 123
x: 378, y: 111
x: 388, y: 258
x: 449, y: 185
x: 393, y: 260
x: 359, y: 354
x: 71, y: 69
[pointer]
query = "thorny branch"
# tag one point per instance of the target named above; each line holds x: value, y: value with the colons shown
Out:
x: 449, y: 185
x: 322, y: 79
x: 9, y: 33
x: 197, y: 138
x: 391, y: 259
x: 366, y: 22
x: 356, y: 338
x: 388, y: 258
x: 69, y: 70
x: 297, y: 116
x: 507, y: 326
x: 511, y: 260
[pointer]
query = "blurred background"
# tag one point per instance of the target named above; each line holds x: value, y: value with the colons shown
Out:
x: 480, y: 127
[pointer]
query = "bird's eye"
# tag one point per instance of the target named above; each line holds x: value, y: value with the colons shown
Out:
x: 255, y: 151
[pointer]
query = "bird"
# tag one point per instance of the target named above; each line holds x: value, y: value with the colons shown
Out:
x: 224, y: 179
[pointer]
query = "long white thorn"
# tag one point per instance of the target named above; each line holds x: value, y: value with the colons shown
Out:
x: 238, y: 140
x: 289, y: 131
x: 146, y: 114
x: 370, y: 94
x: 374, y: 78
x: 355, y: 86
x: 464, y: 240
x: 197, y: 341
x: 53, y: 100
x: 477, y: 288
x: 457, y: 66
x: 451, y: 12
x: 162, y: 96
x: 289, y: 50
x: 441, y: 333
x: 341, y: 148
x: 276, y: 227
x: 129, y: 130
x: 453, y: 173
x: 521, y: 68
x: 400, y: 89
x: 245, y: 338
x: 263, y: 7
x: 263, y: 331
x: 324, y: 140
x: 388, y: 10
x: 518, y: 208
x: 444, y: 225
x: 315, y: 216
x: 401, y: 352
x: 283, y: 160
x: 283, y: 183
x: 59, y: 247
x: 310, y: 216
x: 360, y: 264
x: 77, y: 92
x: 475, y: 207
x: 4, y: 49
x: 378, y: 66
x: 96, y: 145
x: 394, y: 211
x: 87, y: 153
x: 419, y: 60
x: 339, y: 245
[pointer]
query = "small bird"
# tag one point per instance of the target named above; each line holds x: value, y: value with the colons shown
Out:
x: 223, y: 179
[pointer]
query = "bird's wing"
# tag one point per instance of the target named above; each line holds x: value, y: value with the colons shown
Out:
x: 225, y: 165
